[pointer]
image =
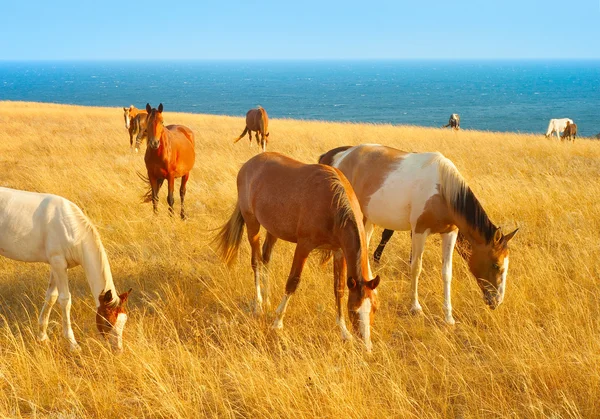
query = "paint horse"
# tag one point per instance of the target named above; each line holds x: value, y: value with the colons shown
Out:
x: 570, y: 132
x: 557, y: 126
x: 169, y: 155
x: 453, y: 122
x: 48, y: 228
x: 425, y: 193
x: 256, y: 120
x: 135, y: 122
x: 315, y: 207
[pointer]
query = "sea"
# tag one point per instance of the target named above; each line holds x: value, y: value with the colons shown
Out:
x: 505, y: 96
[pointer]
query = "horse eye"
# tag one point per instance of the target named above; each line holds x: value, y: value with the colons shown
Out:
x: 496, y: 266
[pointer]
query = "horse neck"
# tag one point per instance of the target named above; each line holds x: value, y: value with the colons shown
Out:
x: 96, y: 267
x: 165, y: 144
x: 353, y: 245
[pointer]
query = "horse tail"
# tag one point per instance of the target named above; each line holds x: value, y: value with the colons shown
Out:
x: 241, y: 135
x: 229, y: 238
x: 147, y: 197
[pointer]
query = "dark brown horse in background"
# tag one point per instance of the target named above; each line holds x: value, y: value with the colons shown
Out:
x: 170, y: 154
x: 314, y: 206
x: 570, y: 132
x: 257, y: 120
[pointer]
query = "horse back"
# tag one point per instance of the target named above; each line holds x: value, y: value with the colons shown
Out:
x: 182, y: 132
x: 257, y: 120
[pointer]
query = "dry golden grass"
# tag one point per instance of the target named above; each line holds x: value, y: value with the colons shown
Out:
x: 192, y: 345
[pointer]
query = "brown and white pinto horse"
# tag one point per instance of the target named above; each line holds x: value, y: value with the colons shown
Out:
x: 314, y: 206
x: 135, y: 122
x: 256, y: 120
x: 425, y: 193
x: 169, y: 155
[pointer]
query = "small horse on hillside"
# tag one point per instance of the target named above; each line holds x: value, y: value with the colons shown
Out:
x: 425, y: 193
x: 256, y: 120
x: 453, y: 122
x: 311, y: 205
x: 135, y: 122
x: 570, y: 132
x: 557, y: 126
x: 170, y: 154
x: 48, y: 228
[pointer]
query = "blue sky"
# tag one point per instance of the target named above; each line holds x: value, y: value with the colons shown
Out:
x: 307, y: 29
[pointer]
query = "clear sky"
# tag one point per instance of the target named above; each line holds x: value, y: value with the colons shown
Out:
x: 305, y: 29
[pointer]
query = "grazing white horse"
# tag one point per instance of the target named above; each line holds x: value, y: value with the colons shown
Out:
x: 425, y: 193
x: 557, y: 126
x: 37, y: 227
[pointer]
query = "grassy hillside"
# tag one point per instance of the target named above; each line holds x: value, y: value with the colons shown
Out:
x: 194, y: 348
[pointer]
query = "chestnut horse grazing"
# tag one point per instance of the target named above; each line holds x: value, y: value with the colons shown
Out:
x: 257, y: 120
x: 135, y: 122
x: 48, y: 228
x: 169, y: 155
x: 425, y: 193
x: 314, y: 206
x: 570, y: 132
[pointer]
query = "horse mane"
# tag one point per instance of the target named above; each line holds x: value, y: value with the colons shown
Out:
x: 461, y: 199
x: 85, y: 231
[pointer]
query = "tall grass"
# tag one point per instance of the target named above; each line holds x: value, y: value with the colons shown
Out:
x: 193, y: 346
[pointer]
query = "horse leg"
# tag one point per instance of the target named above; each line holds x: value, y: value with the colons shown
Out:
x: 51, y: 297
x: 130, y: 137
x: 182, y: 190
x: 250, y: 138
x: 263, y: 142
x: 339, y: 283
x: 385, y: 237
x: 155, y: 184
x: 253, y: 231
x: 59, y: 272
x: 418, y: 246
x: 448, y: 242
x: 170, y: 199
x: 267, y: 249
x: 300, y: 256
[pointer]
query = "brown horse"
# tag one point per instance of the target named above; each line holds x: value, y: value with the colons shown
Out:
x: 570, y: 132
x: 135, y: 122
x: 170, y: 154
x: 257, y: 120
x: 314, y: 206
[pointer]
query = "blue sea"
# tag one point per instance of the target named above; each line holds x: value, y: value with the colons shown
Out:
x: 517, y: 96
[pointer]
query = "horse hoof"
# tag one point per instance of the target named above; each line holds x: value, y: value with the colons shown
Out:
x: 277, y: 325
x: 416, y: 310
x: 75, y: 348
x: 42, y: 337
x: 450, y: 321
x: 347, y: 337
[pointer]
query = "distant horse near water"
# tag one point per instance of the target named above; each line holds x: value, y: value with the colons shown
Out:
x: 425, y: 193
x: 170, y: 154
x: 257, y: 120
x: 135, y: 122
x: 557, y: 126
x: 453, y: 122
x: 570, y: 132
x: 315, y: 207
x: 47, y: 228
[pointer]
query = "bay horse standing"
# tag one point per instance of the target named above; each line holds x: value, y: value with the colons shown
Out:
x: 170, y: 154
x: 425, y: 193
x: 135, y: 122
x: 256, y: 120
x: 315, y: 207
x: 47, y: 228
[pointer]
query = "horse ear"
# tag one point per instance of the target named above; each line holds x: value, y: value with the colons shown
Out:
x: 497, y: 236
x: 107, y: 297
x: 372, y: 284
x: 160, y: 108
x: 124, y: 108
x: 123, y: 297
x: 351, y: 283
x: 510, y: 236
x: 148, y: 108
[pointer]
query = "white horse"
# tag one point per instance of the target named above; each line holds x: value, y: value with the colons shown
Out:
x: 425, y: 193
x: 557, y: 126
x: 37, y: 227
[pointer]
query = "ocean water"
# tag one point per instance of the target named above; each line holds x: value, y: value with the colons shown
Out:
x: 516, y: 96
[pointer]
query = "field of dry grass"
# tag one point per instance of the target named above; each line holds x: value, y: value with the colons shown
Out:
x: 193, y: 347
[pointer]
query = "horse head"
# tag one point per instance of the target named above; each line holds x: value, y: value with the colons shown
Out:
x: 154, y: 125
x: 127, y: 115
x: 489, y: 265
x: 111, y: 318
x: 362, y: 305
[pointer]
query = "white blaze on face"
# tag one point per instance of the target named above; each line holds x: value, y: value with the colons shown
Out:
x: 116, y: 334
x: 364, y: 321
x: 502, y: 287
x: 127, y: 121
